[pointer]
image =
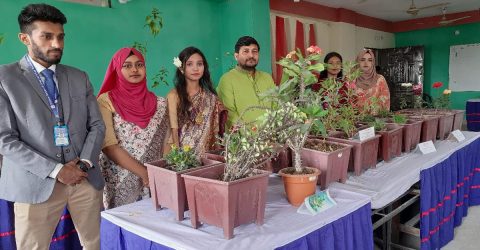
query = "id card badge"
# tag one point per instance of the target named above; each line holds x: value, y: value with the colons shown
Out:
x: 60, y: 135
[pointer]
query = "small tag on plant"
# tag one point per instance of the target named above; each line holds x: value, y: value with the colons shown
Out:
x: 456, y: 135
x: 427, y: 147
x: 366, y: 134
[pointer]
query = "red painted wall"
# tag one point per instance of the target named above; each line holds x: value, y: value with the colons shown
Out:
x: 317, y: 11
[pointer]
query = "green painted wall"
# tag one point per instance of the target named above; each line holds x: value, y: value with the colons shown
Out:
x: 246, y: 18
x: 437, y: 44
x: 93, y: 34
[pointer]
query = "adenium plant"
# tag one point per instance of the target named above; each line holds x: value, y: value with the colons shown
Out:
x: 298, y: 75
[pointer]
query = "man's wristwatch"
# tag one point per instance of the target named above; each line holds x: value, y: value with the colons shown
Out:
x: 82, y: 166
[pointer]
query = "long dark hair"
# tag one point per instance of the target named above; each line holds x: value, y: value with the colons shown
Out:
x: 181, y: 83
x: 324, y: 73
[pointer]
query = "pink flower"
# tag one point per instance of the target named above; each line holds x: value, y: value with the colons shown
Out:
x: 437, y: 85
x: 350, y: 85
x: 417, y: 89
x: 290, y: 54
x: 314, y: 50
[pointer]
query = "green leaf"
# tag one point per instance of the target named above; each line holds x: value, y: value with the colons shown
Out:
x: 317, y: 67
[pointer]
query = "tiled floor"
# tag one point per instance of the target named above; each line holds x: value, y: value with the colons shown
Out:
x: 467, y: 235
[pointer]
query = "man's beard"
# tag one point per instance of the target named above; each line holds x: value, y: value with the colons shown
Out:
x: 247, y: 67
x: 42, y: 56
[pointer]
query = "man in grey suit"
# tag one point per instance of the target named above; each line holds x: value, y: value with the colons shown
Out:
x: 51, y: 133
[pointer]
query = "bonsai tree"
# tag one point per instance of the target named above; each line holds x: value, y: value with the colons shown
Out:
x: 247, y: 145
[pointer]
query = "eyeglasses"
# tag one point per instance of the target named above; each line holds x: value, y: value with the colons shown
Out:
x: 129, y: 66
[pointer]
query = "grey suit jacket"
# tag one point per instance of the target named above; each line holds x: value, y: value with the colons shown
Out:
x: 26, y: 131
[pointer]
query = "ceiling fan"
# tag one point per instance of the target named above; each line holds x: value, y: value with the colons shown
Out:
x: 445, y: 21
x: 413, y: 10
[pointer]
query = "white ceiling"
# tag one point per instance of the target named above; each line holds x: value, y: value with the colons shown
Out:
x: 395, y: 10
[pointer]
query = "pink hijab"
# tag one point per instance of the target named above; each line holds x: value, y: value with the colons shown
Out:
x: 133, y: 102
x: 369, y: 78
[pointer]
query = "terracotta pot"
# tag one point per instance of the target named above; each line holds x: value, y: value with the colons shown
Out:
x: 364, y: 153
x: 391, y: 142
x: 429, y: 127
x: 225, y: 204
x: 167, y: 186
x: 298, y: 187
x: 458, y: 120
x: 333, y: 165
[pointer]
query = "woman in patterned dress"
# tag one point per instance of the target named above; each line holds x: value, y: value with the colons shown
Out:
x: 371, y: 88
x: 136, y: 123
x: 193, y: 105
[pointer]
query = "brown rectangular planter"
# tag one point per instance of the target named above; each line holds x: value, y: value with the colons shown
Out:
x: 391, y: 142
x: 225, y: 204
x: 445, y: 125
x: 216, y: 155
x: 167, y: 186
x: 364, y: 153
x: 458, y: 120
x: 411, y: 134
x: 282, y: 160
x: 333, y: 165
x: 429, y: 127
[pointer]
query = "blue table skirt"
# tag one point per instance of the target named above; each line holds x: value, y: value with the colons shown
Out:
x: 65, y: 236
x: 447, y: 190
x: 353, y: 231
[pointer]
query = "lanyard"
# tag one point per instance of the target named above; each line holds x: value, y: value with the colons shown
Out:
x: 53, y: 104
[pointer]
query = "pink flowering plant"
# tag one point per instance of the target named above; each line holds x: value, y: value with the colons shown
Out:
x: 417, y: 96
x: 338, y: 98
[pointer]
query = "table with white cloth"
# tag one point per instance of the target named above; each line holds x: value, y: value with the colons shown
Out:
x: 348, y: 225
x: 449, y: 184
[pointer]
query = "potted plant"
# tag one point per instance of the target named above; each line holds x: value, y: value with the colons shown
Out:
x: 429, y: 126
x: 234, y: 193
x: 300, y: 180
x: 332, y: 158
x: 167, y: 187
x: 342, y: 120
x: 411, y: 130
x: 441, y: 105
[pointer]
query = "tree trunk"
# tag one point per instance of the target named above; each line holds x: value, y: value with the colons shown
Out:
x: 297, y: 160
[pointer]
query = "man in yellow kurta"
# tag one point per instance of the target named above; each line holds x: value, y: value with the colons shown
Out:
x: 240, y: 87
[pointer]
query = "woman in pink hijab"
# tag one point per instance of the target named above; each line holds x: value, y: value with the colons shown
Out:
x: 136, y: 123
x: 371, y: 88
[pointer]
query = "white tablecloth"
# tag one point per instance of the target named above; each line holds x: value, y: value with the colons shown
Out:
x: 282, y: 223
x: 388, y: 181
